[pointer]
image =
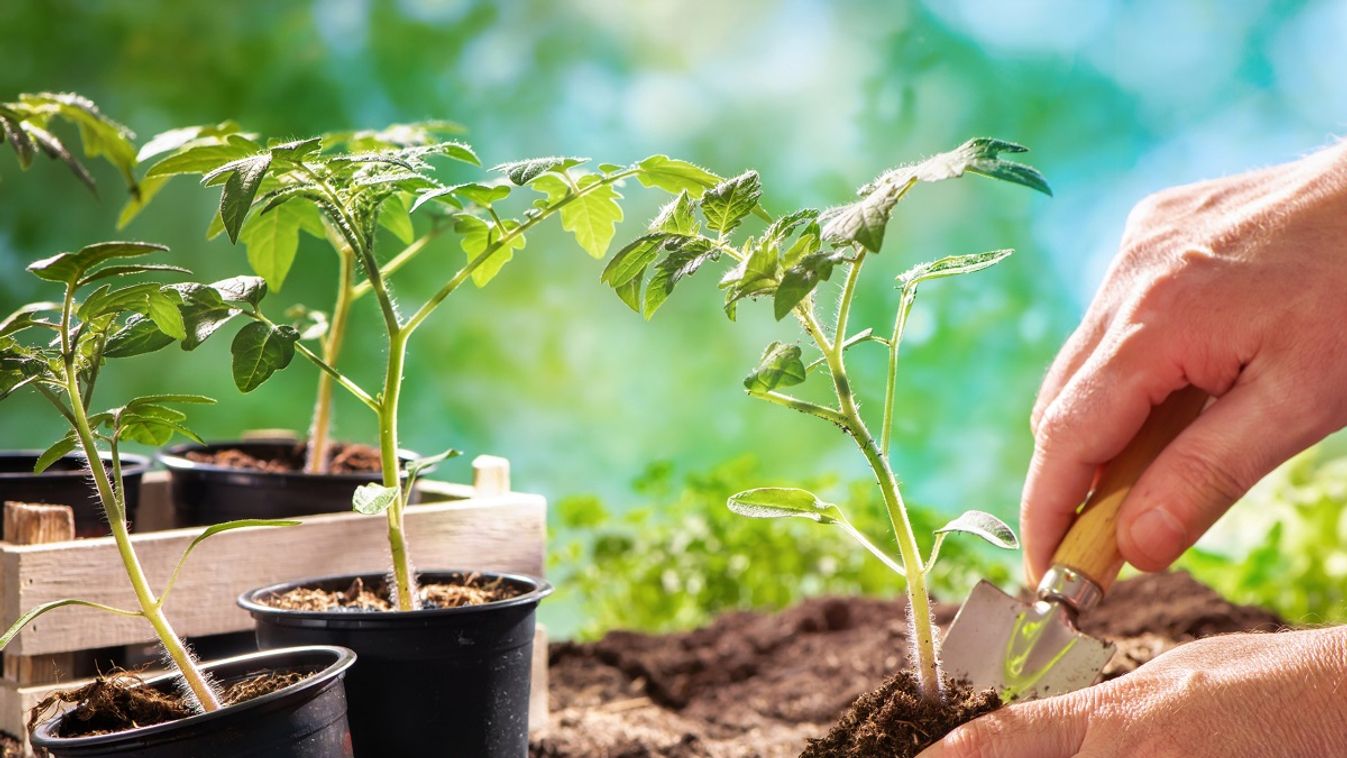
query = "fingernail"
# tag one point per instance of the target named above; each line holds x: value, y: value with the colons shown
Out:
x: 1157, y: 535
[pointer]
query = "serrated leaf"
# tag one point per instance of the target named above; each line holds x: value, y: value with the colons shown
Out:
x: 678, y: 216
x: 372, y: 499
x: 725, y: 205
x: 951, y: 265
x: 272, y: 240
x: 260, y: 351
x: 69, y: 267
x: 801, y: 279
x: 784, y: 502
x: 138, y: 336
x: 674, y: 176
x: 780, y: 366
x: 863, y: 222
x: 984, y: 525
x: 474, y: 237
x: 525, y: 171
x: 239, y: 190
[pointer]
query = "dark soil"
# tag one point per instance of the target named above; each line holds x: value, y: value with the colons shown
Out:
x: 471, y: 591
x: 763, y: 684
x: 342, y: 458
x: 120, y: 701
x: 894, y: 720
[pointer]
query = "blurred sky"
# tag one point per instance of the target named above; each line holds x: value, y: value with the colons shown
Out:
x: 547, y: 367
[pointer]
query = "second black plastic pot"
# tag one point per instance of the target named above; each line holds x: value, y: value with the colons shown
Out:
x: 208, y: 493
x: 446, y: 681
x: 67, y: 482
x: 304, y: 720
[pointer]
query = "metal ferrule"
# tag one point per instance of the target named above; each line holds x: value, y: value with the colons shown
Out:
x: 1069, y: 587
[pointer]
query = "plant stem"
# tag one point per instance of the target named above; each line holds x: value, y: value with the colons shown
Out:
x: 320, y: 427
x: 404, y: 580
x: 928, y: 669
x: 115, y: 511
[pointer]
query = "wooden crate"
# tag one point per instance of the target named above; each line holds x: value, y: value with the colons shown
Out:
x: 481, y: 526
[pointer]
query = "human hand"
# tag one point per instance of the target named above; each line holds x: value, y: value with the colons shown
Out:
x: 1235, y: 286
x: 1235, y: 695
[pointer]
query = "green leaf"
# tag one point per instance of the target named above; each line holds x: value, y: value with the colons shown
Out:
x: 686, y: 255
x: 784, y: 502
x: 984, y: 525
x: 780, y: 366
x: 203, y: 313
x: 163, y: 311
x: 272, y: 239
x: 204, y: 158
x: 396, y: 218
x: 863, y: 222
x: 678, y: 216
x: 25, y: 317
x: 951, y: 265
x: 260, y: 351
x: 58, y: 450
x: 36, y: 611
x: 69, y: 267
x: 726, y: 204
x: 474, y: 237
x: 372, y: 499
x: 138, y: 336
x: 801, y: 279
x: 239, y: 190
x: 523, y: 172
x: 674, y: 176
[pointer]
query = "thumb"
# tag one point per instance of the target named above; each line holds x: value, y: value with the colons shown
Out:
x: 1238, y: 439
x: 1051, y: 728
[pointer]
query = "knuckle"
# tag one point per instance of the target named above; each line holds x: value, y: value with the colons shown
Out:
x: 1198, y: 473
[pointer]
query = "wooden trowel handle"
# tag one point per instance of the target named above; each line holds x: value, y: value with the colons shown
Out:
x: 1091, y: 544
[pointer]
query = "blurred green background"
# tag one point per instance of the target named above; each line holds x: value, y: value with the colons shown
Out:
x: 547, y: 367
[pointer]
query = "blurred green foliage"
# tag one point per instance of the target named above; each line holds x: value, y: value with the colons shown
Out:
x: 1298, y: 567
x: 680, y: 557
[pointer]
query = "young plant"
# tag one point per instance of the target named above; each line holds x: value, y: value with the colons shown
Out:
x: 59, y: 349
x: 351, y: 192
x: 272, y: 239
x: 786, y: 263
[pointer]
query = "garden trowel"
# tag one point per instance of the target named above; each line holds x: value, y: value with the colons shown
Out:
x: 1031, y: 650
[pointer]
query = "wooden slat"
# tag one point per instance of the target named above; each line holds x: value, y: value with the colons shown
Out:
x: 502, y: 533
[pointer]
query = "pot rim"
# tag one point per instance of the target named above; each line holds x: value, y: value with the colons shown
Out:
x: 132, y: 464
x: 345, y: 658
x: 174, y: 459
x: 541, y: 589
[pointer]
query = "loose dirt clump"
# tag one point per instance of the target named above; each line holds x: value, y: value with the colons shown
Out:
x: 121, y: 701
x: 762, y: 685
x: 342, y: 459
x: 472, y: 590
x: 895, y: 721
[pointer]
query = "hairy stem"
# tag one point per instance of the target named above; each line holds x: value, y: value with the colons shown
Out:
x: 114, y: 508
x: 320, y: 427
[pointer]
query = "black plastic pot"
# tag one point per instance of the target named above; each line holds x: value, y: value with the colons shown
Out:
x: 448, y: 681
x: 205, y: 493
x: 304, y: 720
x: 67, y: 482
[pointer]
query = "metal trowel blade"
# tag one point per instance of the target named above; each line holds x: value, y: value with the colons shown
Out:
x: 1024, y: 651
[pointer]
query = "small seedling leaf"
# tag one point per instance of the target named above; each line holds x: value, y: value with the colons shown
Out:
x: 984, y: 525
x: 784, y: 502
x: 372, y: 499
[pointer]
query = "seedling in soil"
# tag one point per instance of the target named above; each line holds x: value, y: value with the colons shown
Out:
x: 785, y: 264
x: 59, y: 350
x: 351, y: 184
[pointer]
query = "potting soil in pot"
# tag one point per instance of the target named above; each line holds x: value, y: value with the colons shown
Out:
x: 342, y: 459
x: 764, y: 684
